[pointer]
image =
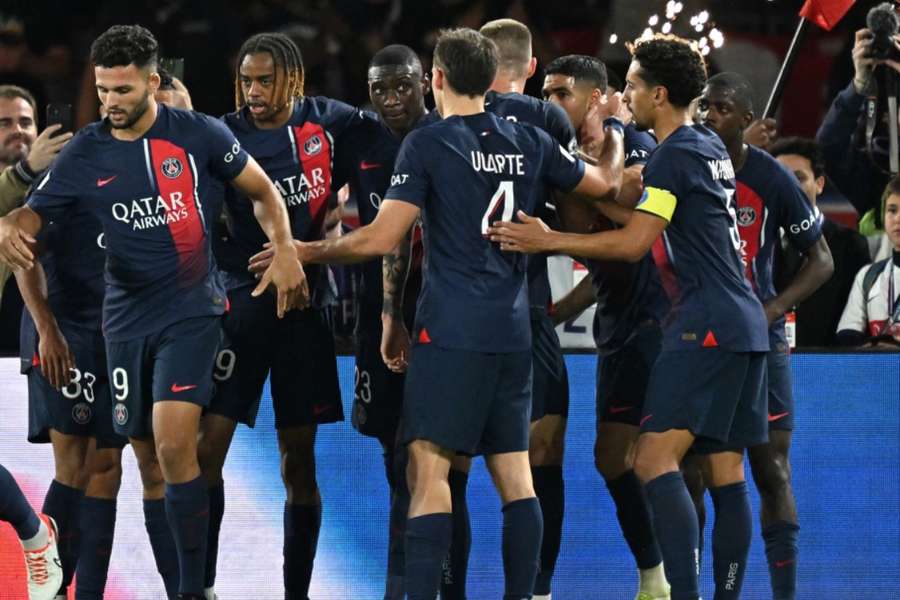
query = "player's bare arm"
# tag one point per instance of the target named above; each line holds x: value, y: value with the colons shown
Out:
x: 53, y: 349
x: 604, y: 179
x: 628, y: 244
x: 17, y: 231
x: 284, y: 271
x: 574, y: 303
x: 394, y: 336
x: 816, y: 270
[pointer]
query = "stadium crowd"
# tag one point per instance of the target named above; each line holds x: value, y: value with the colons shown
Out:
x: 705, y: 233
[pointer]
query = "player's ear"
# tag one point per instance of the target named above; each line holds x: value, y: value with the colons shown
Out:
x: 532, y: 67
x: 596, y: 96
x: 426, y: 84
x: 437, y: 78
x: 748, y: 118
x: 660, y: 95
x: 820, y: 184
x: 153, y: 81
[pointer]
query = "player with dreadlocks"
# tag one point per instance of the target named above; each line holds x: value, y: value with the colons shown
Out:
x: 293, y: 137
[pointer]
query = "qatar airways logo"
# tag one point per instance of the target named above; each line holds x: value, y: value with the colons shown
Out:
x: 300, y: 189
x: 146, y: 213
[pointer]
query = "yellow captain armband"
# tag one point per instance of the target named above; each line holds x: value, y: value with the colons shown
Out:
x: 657, y: 202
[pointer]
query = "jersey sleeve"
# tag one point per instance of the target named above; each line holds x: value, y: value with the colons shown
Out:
x: 801, y: 223
x: 59, y: 188
x: 410, y: 180
x: 226, y: 157
x: 855, y: 315
x: 559, y: 126
x: 661, y: 184
x: 638, y: 146
x: 560, y: 168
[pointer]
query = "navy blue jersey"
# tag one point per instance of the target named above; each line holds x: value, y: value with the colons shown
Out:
x: 520, y: 108
x: 628, y: 294
x: 149, y: 195
x: 689, y: 182
x: 768, y: 199
x: 466, y: 172
x: 299, y: 159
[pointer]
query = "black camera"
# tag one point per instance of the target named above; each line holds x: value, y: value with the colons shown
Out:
x: 884, y: 24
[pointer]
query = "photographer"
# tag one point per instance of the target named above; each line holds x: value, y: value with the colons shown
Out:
x: 847, y: 160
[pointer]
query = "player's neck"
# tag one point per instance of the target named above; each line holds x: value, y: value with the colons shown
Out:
x: 279, y: 119
x: 737, y: 151
x: 504, y: 84
x: 461, y: 106
x: 139, y: 127
x: 668, y: 120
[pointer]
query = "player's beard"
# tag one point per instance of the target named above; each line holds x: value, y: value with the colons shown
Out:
x: 135, y: 114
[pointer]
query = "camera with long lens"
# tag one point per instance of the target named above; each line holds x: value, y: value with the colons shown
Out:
x: 884, y: 24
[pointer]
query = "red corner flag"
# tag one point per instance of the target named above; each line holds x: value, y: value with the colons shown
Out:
x: 825, y: 13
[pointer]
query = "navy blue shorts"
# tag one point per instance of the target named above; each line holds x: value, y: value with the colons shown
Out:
x: 298, y: 352
x: 550, y: 387
x: 84, y: 406
x: 781, y: 393
x: 622, y: 377
x: 175, y: 363
x: 717, y: 395
x: 470, y: 402
x: 378, y: 391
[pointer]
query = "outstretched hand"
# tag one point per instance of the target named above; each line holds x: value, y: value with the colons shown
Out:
x: 531, y: 235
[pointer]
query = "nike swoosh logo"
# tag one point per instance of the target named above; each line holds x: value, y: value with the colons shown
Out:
x: 645, y: 419
x: 365, y: 166
x: 619, y: 409
x: 102, y: 182
x: 181, y: 388
x: 783, y: 563
x: 778, y: 416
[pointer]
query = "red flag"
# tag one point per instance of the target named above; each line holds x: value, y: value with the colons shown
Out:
x: 825, y: 13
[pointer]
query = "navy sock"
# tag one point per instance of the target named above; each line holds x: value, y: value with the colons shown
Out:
x: 14, y: 508
x: 301, y: 537
x: 98, y: 525
x: 63, y: 503
x: 163, y: 544
x: 550, y: 490
x: 675, y: 525
x: 216, y: 511
x: 781, y: 553
x: 732, y: 531
x: 427, y: 542
x: 187, y: 510
x: 395, y: 589
x: 633, y: 513
x: 523, y: 528
x: 456, y: 563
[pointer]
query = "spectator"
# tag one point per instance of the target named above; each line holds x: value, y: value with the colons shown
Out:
x: 872, y: 314
x: 847, y: 160
x: 818, y: 315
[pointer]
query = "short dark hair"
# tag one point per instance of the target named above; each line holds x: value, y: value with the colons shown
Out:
x: 122, y: 45
x: 513, y: 41
x: 673, y: 63
x: 580, y: 67
x: 891, y: 189
x: 396, y: 55
x: 737, y: 85
x: 805, y: 147
x: 11, y: 92
x: 285, y: 56
x: 468, y: 59
x: 614, y: 80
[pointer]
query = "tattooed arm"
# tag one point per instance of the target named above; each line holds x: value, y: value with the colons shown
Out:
x: 394, y: 336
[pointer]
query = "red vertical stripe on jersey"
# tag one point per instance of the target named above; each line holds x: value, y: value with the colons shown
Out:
x: 750, y: 216
x: 666, y: 270
x: 313, y: 153
x: 182, y: 215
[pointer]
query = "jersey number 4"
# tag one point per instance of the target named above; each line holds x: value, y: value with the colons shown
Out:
x: 505, y: 197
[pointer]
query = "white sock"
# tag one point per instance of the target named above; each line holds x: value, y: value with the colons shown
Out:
x: 653, y: 580
x: 39, y: 540
x: 540, y: 597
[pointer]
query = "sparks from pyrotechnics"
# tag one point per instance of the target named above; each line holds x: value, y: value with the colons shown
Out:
x: 701, y: 23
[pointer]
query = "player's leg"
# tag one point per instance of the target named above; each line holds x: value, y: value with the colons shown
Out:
x: 162, y: 539
x: 37, y: 534
x: 692, y: 471
x: 306, y: 393
x: 98, y: 518
x: 456, y: 564
x: 64, y: 496
x: 396, y: 459
x: 621, y: 391
x: 771, y: 467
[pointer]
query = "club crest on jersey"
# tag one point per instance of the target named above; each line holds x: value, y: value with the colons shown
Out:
x: 746, y: 216
x: 312, y: 146
x: 171, y: 168
x: 120, y: 413
x: 81, y: 413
